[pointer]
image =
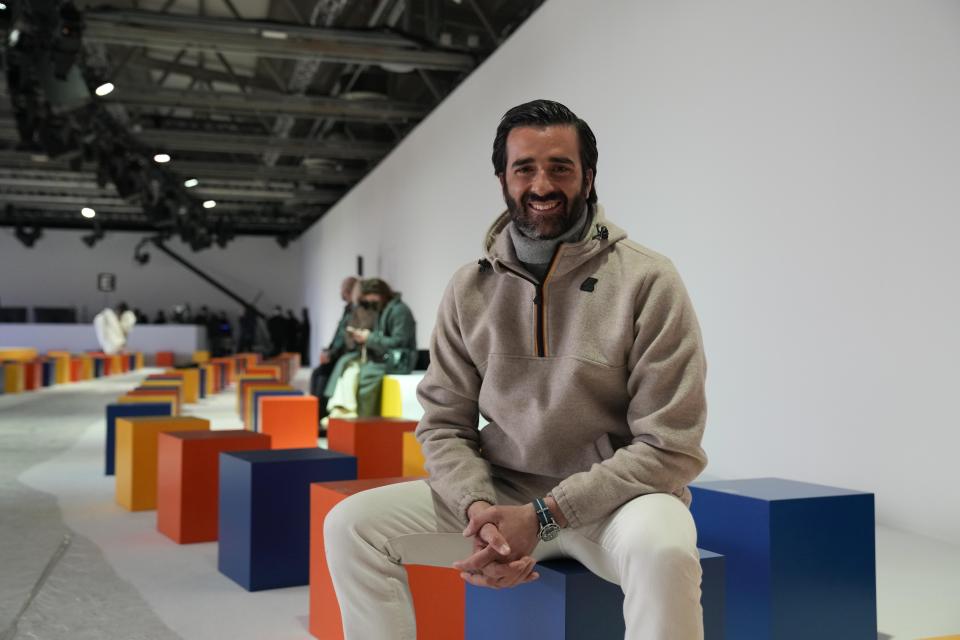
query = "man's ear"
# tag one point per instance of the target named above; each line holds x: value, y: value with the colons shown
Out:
x: 589, y: 180
x: 503, y: 180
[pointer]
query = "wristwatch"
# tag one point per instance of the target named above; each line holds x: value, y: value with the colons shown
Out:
x: 549, y: 529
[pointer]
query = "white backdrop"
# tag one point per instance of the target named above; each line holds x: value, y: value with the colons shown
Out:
x: 797, y: 160
x: 62, y: 271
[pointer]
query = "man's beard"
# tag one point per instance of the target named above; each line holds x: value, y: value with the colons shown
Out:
x: 538, y: 227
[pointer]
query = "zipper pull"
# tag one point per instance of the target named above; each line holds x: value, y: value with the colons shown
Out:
x: 536, y: 299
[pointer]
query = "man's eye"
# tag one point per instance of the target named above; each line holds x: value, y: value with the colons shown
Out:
x: 561, y: 169
x: 524, y: 170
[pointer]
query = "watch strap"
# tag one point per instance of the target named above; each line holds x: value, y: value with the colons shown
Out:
x: 544, y: 517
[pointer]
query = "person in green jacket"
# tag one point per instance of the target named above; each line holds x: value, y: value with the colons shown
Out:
x: 389, y: 347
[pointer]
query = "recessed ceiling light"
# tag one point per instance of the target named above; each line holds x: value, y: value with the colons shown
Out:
x: 274, y: 35
x: 161, y: 158
x: 105, y: 89
x: 190, y: 183
x: 209, y: 204
x: 87, y: 212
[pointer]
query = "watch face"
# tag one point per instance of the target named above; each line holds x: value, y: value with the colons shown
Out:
x: 549, y: 531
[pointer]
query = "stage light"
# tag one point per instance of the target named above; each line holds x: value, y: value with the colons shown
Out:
x: 190, y: 183
x: 94, y: 237
x: 105, y: 89
x: 3, y: 7
x: 161, y: 158
x: 28, y: 236
x: 87, y: 212
x: 209, y: 204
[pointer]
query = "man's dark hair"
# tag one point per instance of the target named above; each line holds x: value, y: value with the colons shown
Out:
x: 545, y: 113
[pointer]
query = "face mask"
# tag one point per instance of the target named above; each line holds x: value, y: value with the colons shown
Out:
x: 370, y: 305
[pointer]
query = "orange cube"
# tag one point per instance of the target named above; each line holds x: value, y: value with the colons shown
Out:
x: 438, y: 592
x: 76, y: 369
x: 30, y: 370
x: 290, y: 421
x: 188, y: 465
x: 377, y: 443
x: 136, y: 456
x: 164, y: 359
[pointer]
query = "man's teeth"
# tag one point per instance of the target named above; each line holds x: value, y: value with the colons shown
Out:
x: 544, y: 206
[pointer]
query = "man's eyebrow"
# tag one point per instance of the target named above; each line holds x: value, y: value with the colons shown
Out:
x: 520, y: 162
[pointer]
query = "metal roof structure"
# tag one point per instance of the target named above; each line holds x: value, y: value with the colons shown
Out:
x: 271, y: 109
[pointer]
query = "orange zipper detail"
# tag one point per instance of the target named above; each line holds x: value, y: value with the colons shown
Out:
x: 543, y: 302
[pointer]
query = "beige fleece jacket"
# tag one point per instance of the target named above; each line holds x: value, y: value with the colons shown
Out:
x: 592, y: 382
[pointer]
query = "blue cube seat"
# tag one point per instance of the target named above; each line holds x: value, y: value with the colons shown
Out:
x: 569, y: 602
x: 115, y: 411
x: 800, y: 557
x: 264, y: 519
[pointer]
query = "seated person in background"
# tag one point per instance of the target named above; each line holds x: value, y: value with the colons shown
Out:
x: 350, y: 294
x: 390, y: 346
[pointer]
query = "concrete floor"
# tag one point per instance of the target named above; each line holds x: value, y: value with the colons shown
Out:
x: 75, y: 565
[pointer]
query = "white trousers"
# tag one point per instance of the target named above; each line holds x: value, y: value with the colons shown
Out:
x: 648, y: 547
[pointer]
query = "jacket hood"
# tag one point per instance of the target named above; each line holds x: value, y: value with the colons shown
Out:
x: 601, y: 234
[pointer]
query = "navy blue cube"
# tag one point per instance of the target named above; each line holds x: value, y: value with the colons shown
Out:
x: 115, y: 411
x: 800, y: 557
x: 254, y: 422
x: 569, y: 602
x: 48, y: 374
x: 265, y: 513
x: 98, y: 367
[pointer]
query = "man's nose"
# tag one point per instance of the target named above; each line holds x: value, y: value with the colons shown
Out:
x: 541, y: 184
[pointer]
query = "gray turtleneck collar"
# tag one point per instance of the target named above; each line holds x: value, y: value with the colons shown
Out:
x: 536, y: 254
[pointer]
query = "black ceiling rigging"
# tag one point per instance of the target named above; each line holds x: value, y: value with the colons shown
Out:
x: 272, y: 119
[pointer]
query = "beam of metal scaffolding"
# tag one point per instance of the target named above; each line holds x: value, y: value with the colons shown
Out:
x: 273, y: 40
x: 257, y: 102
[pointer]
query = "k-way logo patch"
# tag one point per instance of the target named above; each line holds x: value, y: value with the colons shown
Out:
x: 588, y: 284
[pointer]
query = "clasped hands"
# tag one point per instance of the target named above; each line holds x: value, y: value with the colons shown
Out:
x: 503, y: 539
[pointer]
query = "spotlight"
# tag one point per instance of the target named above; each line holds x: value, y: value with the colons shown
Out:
x: 140, y: 256
x: 92, y: 238
x: 28, y: 237
x: 161, y: 158
x: 105, y: 89
x: 190, y: 183
x: 209, y: 204
x: 87, y: 212
x: 3, y: 7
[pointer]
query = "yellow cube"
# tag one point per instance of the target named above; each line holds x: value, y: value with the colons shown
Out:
x: 14, y: 377
x: 136, y: 456
x: 413, y: 460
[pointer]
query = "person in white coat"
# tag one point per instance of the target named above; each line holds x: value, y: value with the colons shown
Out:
x: 113, y: 328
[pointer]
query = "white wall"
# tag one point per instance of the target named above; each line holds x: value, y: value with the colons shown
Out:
x: 62, y: 271
x: 797, y: 160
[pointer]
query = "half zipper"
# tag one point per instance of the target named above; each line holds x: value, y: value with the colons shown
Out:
x: 539, y: 302
x: 538, y: 296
